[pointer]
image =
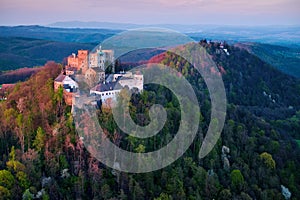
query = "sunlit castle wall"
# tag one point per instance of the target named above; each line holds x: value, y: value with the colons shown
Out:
x: 73, y: 61
x: 83, y: 60
x: 93, y: 60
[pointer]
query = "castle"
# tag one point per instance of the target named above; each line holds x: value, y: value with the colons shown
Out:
x: 90, y: 64
x: 109, y: 89
x: 90, y: 67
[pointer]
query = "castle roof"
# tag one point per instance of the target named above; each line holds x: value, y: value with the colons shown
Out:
x: 103, y: 87
x: 60, y: 78
x: 97, y: 69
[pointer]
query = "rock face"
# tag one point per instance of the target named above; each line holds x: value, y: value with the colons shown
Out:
x: 225, y: 155
x: 285, y: 192
x: 226, y: 163
x: 225, y: 150
x: 46, y: 181
x: 65, y: 173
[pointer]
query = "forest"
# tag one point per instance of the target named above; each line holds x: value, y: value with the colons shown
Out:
x: 256, y: 157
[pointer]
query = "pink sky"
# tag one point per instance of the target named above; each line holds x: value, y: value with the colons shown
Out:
x: 230, y: 12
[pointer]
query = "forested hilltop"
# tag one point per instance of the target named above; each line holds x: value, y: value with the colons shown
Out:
x: 257, y: 156
x: 286, y: 59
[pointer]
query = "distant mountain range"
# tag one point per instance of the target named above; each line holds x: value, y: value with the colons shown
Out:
x: 127, y: 26
x: 105, y: 25
x: 95, y: 32
x: 78, y: 35
x: 281, y: 35
x: 28, y: 46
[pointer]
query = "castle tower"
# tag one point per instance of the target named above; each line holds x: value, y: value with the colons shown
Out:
x: 83, y: 60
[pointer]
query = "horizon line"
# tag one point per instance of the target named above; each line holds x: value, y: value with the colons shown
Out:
x: 53, y: 24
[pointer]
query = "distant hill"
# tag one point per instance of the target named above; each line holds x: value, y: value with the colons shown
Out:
x: 95, y: 32
x: 15, y: 76
x: 17, y: 52
x: 283, y: 58
x: 281, y: 35
x: 58, y: 34
x: 184, y: 28
x: 94, y: 24
x: 27, y: 46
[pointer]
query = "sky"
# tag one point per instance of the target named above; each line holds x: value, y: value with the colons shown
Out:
x: 219, y: 12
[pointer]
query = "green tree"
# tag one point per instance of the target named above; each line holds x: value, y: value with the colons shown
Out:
x: 12, y: 154
x: 163, y: 196
x: 20, y: 131
x: 23, y: 180
x: 9, y: 117
x: 237, y: 180
x: 4, y: 193
x: 6, y: 179
x: 39, y: 140
x: 27, y: 195
x: 12, y: 164
x: 45, y: 196
x: 268, y: 160
x: 140, y: 149
x: 225, y: 195
x: 63, y: 163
